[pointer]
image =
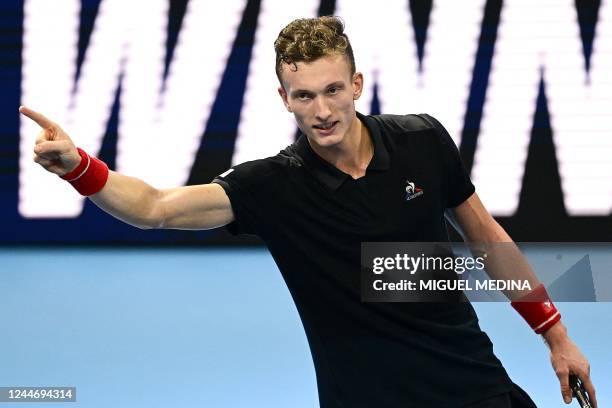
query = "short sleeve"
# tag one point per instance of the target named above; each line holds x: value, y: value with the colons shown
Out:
x: 245, y: 185
x: 459, y: 185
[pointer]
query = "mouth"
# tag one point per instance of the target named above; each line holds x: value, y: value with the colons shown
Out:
x: 326, y: 128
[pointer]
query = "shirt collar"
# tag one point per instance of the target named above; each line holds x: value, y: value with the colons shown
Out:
x: 331, y: 176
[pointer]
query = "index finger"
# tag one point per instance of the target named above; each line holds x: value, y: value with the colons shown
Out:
x: 39, y: 118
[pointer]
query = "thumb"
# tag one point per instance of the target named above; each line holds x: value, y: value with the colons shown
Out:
x: 53, y: 147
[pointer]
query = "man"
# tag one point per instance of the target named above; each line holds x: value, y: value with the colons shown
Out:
x: 342, y: 183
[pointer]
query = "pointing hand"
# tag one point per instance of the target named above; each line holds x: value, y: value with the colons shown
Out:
x: 54, y: 149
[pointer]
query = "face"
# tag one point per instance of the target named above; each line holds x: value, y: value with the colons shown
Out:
x: 321, y: 96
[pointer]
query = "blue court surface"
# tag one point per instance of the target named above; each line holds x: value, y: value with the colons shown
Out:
x: 208, y: 328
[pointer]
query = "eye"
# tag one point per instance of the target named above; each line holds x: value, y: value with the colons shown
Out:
x: 335, y: 89
x: 302, y: 96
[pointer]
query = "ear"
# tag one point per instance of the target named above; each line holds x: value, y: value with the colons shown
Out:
x: 283, y: 95
x: 357, y: 85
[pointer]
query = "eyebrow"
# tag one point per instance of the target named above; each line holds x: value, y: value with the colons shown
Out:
x: 336, y: 84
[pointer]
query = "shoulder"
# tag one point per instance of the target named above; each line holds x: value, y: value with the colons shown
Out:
x: 410, y: 131
x: 256, y: 173
x: 421, y: 128
x: 405, y: 123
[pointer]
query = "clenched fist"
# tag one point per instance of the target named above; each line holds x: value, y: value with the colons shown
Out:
x: 54, y: 149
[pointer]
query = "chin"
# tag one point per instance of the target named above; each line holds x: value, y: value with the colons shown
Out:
x: 327, y: 141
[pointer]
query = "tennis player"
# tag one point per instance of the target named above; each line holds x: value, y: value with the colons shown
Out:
x: 349, y: 178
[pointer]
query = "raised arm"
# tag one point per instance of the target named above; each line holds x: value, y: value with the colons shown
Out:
x: 129, y: 199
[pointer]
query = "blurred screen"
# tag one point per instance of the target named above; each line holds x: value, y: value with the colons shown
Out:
x: 176, y: 92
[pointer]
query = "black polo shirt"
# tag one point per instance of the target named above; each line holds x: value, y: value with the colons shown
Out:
x: 313, y: 218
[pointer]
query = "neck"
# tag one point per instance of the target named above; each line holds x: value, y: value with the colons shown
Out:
x: 353, y: 154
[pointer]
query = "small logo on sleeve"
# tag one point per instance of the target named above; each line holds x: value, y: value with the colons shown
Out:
x: 412, y: 191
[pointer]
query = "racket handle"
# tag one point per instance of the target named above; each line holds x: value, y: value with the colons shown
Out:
x: 579, y: 392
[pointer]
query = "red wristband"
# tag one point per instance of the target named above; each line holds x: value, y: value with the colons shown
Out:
x: 89, y: 176
x: 537, y: 309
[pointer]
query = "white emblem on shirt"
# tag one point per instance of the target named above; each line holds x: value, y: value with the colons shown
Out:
x: 412, y: 191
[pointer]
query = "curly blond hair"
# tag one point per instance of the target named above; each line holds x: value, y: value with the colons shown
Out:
x: 308, y: 39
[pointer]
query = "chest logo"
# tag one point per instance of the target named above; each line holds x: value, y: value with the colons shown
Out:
x: 412, y: 191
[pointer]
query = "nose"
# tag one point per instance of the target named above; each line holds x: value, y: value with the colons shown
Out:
x: 322, y: 111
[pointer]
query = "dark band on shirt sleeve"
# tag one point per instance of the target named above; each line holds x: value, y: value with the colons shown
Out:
x: 242, y: 223
x: 250, y: 188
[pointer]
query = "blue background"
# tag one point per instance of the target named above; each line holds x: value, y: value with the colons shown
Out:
x: 209, y: 328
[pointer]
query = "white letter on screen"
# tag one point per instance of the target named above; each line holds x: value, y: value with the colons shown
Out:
x: 542, y: 40
x: 49, y: 54
x: 160, y: 125
x: 386, y: 54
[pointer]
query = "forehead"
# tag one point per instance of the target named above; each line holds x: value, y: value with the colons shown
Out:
x: 315, y: 74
